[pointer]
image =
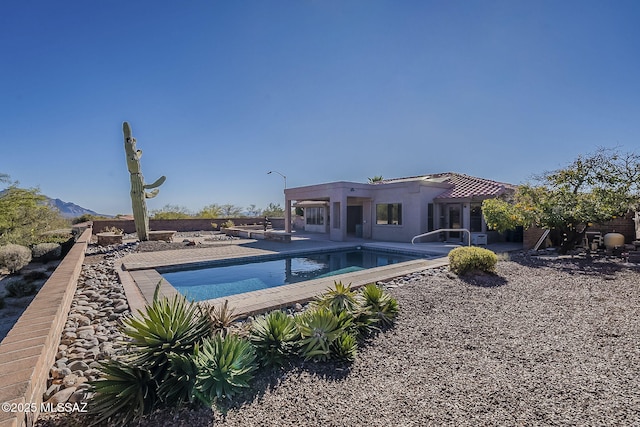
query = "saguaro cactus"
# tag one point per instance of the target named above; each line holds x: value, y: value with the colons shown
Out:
x: 138, y: 187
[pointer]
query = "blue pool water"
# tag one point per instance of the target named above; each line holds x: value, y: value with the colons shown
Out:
x: 216, y: 282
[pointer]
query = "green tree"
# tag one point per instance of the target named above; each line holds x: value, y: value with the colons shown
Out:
x: 595, y: 188
x: 273, y: 210
x: 376, y: 179
x: 171, y: 212
x: 230, y: 211
x: 25, y: 215
x: 252, y: 210
x: 210, y: 211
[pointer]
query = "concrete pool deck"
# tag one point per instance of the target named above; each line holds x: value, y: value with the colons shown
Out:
x: 140, y: 278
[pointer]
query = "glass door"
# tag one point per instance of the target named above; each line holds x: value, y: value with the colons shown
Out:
x: 454, y: 214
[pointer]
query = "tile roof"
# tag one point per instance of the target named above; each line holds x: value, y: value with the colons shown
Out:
x: 463, y: 186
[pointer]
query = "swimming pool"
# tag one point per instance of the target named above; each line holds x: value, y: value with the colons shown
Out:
x: 221, y: 281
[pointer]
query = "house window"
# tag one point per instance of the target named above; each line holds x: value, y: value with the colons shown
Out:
x: 389, y: 213
x: 475, y: 218
x: 314, y: 216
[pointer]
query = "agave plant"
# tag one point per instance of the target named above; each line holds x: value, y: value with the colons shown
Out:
x: 345, y: 347
x: 274, y: 336
x: 221, y: 317
x: 168, y: 325
x: 318, y: 329
x: 179, y: 383
x: 225, y: 366
x: 123, y: 394
x: 338, y: 299
x: 364, y: 322
x: 379, y: 303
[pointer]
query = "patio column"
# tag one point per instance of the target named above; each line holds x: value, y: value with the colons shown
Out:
x: 287, y: 215
x: 338, y: 207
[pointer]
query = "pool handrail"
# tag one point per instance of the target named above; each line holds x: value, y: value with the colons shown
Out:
x: 441, y: 230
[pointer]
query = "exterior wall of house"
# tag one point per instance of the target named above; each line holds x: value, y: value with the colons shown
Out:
x: 414, y: 199
x: 414, y: 196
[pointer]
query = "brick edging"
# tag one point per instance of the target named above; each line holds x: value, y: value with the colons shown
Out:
x: 30, y: 347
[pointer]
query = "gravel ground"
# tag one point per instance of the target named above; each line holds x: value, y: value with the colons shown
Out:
x: 547, y: 341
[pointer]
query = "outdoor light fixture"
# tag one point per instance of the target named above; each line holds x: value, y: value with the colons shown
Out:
x: 283, y: 176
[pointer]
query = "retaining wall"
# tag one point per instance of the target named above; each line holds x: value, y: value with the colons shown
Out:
x: 29, y: 349
x: 189, y: 224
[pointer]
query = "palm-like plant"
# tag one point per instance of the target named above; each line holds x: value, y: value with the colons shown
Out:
x: 123, y: 394
x: 221, y: 318
x: 168, y: 325
x: 225, y: 366
x: 338, y: 299
x: 379, y: 303
x: 318, y: 329
x: 274, y: 336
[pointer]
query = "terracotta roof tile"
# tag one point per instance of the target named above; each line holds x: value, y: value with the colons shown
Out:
x: 463, y: 186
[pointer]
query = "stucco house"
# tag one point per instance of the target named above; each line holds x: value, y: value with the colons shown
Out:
x: 395, y: 209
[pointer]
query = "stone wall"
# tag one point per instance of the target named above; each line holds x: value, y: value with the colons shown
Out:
x: 189, y: 224
x: 29, y: 349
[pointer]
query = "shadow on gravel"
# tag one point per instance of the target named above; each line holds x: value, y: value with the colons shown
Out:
x: 599, y: 265
x: 268, y: 380
x: 484, y: 280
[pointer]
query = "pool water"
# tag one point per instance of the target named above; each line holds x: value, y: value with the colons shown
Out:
x: 216, y: 282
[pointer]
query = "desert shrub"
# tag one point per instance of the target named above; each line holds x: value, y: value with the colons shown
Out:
x: 274, y: 335
x: 14, y: 257
x: 171, y: 212
x: 87, y: 217
x: 112, y: 229
x: 20, y: 288
x: 466, y: 259
x: 228, y: 224
x: 60, y: 238
x: 46, y: 251
x: 25, y: 215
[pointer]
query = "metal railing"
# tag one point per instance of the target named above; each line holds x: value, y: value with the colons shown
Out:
x: 441, y: 230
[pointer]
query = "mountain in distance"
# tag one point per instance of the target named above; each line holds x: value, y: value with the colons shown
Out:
x: 71, y: 210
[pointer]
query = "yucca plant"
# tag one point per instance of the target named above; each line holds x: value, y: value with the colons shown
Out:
x: 225, y: 366
x: 379, y: 303
x: 123, y: 394
x: 221, y: 318
x: 318, y: 328
x: 274, y: 336
x: 168, y: 325
x: 345, y: 347
x: 338, y: 299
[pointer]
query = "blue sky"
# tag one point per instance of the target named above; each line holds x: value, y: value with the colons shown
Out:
x: 219, y: 92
